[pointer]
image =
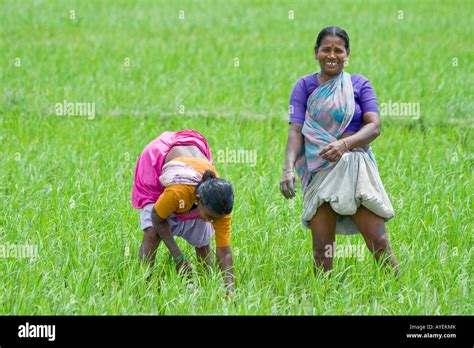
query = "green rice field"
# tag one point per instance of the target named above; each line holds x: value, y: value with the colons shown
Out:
x: 69, y: 236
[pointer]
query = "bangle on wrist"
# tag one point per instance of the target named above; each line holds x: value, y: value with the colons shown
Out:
x: 179, y: 258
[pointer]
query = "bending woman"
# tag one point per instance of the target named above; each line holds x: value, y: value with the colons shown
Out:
x: 179, y: 192
x: 334, y: 117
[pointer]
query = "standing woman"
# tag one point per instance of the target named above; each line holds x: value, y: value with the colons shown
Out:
x: 179, y: 192
x: 334, y: 117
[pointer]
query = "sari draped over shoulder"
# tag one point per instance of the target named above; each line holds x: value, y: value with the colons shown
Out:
x: 177, y: 172
x: 146, y: 187
x: 348, y: 183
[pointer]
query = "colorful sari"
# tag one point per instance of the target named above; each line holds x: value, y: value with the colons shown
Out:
x: 176, y: 172
x: 328, y: 113
x: 348, y: 183
x: 146, y: 184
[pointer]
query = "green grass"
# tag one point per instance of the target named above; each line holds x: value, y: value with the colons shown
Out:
x: 65, y: 182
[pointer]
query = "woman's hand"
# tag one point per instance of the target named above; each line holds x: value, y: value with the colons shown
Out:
x: 224, y: 258
x: 229, y: 296
x: 288, y: 183
x: 334, y: 151
x: 184, y: 267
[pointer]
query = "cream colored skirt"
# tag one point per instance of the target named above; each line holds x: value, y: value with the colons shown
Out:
x: 352, y: 182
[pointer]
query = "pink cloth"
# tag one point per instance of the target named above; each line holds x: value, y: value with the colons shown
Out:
x: 190, y: 215
x: 146, y: 184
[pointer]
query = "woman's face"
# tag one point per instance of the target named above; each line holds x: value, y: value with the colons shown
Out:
x: 331, y: 55
x: 204, y: 213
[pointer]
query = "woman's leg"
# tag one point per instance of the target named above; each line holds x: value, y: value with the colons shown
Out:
x: 204, y: 255
x: 150, y: 243
x: 323, y: 229
x: 372, y: 228
x: 198, y: 232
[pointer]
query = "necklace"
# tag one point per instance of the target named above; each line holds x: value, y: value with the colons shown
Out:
x: 319, y: 78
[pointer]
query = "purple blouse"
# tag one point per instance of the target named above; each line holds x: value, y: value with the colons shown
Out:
x: 364, y: 96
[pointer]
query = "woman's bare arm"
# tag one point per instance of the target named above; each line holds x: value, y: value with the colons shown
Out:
x: 293, y: 149
x: 163, y: 229
x: 362, y: 138
x: 224, y: 257
x: 367, y: 133
x: 293, y: 145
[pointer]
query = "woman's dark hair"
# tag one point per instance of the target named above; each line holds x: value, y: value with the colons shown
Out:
x: 215, y: 193
x: 331, y: 31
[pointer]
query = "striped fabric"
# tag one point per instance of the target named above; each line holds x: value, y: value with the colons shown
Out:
x: 328, y: 113
x: 177, y: 172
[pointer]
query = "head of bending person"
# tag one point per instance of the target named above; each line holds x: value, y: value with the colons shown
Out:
x: 215, y: 197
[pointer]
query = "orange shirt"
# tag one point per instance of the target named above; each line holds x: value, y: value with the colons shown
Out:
x: 180, y: 198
